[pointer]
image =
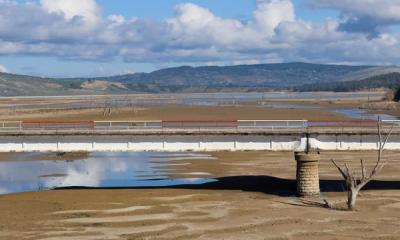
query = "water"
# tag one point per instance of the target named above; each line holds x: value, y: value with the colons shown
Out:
x: 106, y: 170
x: 279, y: 105
x: 207, y: 99
x: 361, y: 114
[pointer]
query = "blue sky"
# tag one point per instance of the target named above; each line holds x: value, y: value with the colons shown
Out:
x: 161, y: 9
x: 72, y: 38
x: 224, y: 8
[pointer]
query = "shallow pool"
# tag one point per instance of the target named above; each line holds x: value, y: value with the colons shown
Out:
x: 23, y: 172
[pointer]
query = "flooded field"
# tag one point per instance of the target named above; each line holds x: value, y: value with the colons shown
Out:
x: 148, y: 100
x: 205, y: 106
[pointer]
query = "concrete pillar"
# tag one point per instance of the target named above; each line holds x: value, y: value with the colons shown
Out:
x: 307, y: 174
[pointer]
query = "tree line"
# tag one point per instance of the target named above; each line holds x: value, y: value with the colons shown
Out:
x: 389, y: 81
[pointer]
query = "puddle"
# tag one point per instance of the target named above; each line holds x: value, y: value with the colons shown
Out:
x: 23, y: 173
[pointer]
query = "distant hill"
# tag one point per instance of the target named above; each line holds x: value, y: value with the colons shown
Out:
x: 241, y: 78
x: 389, y: 81
x: 22, y: 85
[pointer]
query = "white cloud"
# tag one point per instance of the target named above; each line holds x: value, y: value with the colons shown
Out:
x: 3, y: 69
x: 366, y: 16
x: 270, y: 13
x: 76, y: 29
x: 380, y: 9
x: 87, y: 9
x: 117, y: 19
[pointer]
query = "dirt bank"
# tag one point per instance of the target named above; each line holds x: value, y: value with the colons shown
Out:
x: 253, y: 199
x: 174, y: 112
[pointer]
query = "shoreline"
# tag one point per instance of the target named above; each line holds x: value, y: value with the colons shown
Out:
x: 254, y: 198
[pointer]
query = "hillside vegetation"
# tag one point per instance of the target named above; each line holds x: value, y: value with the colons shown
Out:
x: 389, y: 81
x: 265, y: 76
x: 241, y: 78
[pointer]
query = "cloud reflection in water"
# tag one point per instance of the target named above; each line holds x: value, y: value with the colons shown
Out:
x: 99, y: 170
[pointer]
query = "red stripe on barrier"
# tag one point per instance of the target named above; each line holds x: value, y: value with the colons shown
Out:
x: 200, y: 121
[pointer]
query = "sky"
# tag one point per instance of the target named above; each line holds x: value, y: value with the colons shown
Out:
x: 86, y: 38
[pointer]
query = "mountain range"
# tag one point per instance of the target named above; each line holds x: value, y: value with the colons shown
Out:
x: 259, y: 77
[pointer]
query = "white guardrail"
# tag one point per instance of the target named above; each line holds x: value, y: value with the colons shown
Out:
x: 158, y: 124
x: 154, y: 124
x: 106, y: 125
x: 11, y: 125
x: 396, y: 122
x: 272, y: 124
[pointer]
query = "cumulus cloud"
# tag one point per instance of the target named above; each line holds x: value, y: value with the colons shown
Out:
x: 270, y: 13
x: 367, y: 16
x: 59, y: 28
x: 379, y: 9
x: 3, y: 69
x: 87, y: 9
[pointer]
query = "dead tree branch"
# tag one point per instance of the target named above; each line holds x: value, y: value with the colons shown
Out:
x: 354, y: 184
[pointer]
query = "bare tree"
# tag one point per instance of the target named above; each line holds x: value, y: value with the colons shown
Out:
x: 354, y: 184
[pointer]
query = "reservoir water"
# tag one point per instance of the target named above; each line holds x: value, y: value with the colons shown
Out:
x: 362, y: 114
x: 28, y: 172
x: 147, y: 100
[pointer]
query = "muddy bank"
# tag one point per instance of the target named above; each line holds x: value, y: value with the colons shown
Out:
x: 51, y: 156
x: 175, y: 112
x: 61, y: 156
x: 253, y: 199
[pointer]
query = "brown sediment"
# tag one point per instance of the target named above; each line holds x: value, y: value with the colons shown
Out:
x: 243, y: 110
x: 7, y: 156
x: 252, y: 200
x: 49, y: 156
x: 177, y: 112
x: 391, y: 108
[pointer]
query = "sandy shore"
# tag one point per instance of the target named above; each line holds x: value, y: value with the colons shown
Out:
x: 253, y: 199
